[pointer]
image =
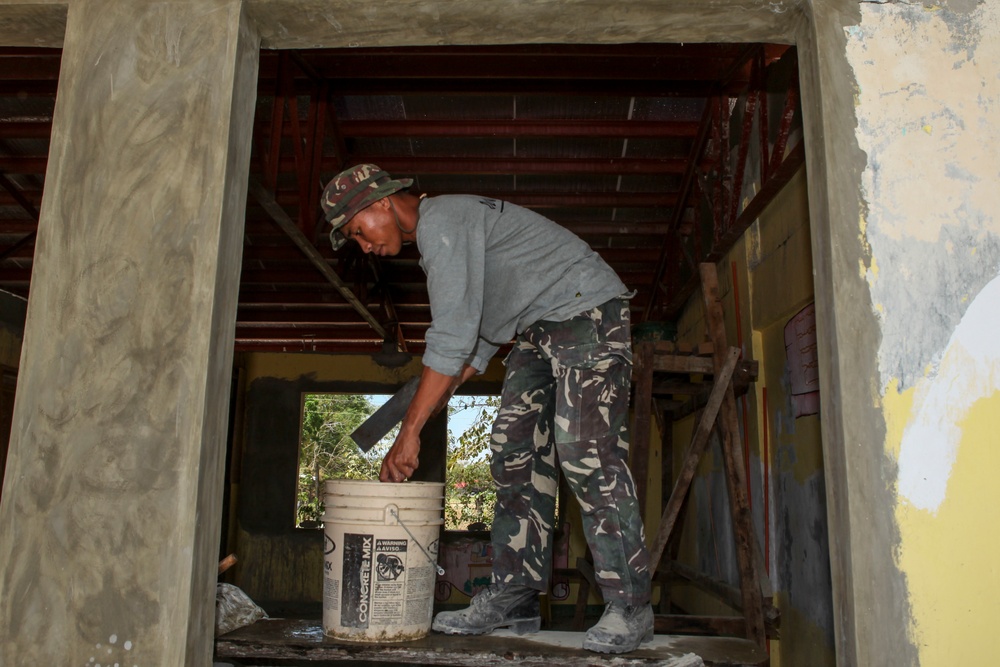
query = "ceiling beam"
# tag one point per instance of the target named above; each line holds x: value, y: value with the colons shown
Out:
x: 697, y: 149
x: 522, y: 165
x: 781, y: 176
x: 512, y: 86
x: 27, y: 164
x: 28, y: 207
x: 269, y: 204
x: 548, y: 199
x: 660, y: 63
x: 517, y: 128
x: 26, y: 128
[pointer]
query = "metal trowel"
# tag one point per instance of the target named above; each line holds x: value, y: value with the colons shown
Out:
x: 386, y: 417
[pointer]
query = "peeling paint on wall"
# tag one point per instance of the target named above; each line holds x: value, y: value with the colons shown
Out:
x: 927, y: 102
x: 969, y: 370
x: 927, y: 97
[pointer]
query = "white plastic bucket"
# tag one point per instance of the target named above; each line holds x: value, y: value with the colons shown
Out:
x: 380, y: 562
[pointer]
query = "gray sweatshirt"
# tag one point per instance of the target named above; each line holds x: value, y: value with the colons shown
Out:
x: 493, y: 269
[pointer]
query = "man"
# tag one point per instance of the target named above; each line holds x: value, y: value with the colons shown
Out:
x: 496, y: 271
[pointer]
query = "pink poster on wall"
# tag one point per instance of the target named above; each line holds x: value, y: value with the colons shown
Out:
x: 803, y: 361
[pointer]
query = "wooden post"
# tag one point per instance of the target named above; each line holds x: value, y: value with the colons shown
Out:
x: 694, y: 453
x: 733, y: 458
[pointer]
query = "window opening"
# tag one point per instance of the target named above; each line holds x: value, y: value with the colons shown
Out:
x: 470, y: 495
x: 326, y: 451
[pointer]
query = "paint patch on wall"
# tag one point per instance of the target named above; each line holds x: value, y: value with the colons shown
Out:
x: 969, y: 371
x: 927, y: 98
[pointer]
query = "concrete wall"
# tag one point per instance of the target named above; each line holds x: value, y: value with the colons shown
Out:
x: 900, y: 106
x: 111, y: 498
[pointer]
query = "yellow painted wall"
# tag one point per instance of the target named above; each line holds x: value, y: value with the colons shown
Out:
x: 10, y: 348
x: 951, y: 554
x: 344, y: 367
x: 779, y: 259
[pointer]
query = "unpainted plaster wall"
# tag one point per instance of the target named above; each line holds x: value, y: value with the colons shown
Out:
x: 116, y: 449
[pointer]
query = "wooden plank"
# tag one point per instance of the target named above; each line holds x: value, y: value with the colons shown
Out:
x: 742, y: 520
x: 664, y: 347
x: 676, y: 386
x: 681, y: 363
x: 666, y: 482
x: 690, y: 624
x: 642, y: 406
x: 745, y: 373
x: 720, y: 589
x: 695, y: 450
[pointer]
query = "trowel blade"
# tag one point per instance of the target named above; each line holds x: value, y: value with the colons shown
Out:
x: 386, y: 417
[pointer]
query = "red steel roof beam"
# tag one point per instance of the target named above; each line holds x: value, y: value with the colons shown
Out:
x: 697, y: 148
x: 505, y: 166
x: 617, y: 129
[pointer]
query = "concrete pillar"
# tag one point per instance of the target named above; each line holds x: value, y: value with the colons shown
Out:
x: 112, y: 499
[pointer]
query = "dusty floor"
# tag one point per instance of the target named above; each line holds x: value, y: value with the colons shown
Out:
x: 281, y: 642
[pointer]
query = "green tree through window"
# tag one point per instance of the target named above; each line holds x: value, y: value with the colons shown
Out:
x: 327, y: 452
x: 470, y: 495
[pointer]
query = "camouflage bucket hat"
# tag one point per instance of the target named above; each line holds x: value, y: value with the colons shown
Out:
x: 352, y: 190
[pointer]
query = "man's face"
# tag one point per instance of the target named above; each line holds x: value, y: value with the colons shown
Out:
x: 374, y: 228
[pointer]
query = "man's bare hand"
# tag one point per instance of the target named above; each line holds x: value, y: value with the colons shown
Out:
x: 402, y: 460
x: 432, y: 396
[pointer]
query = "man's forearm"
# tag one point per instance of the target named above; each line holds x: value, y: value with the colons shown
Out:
x: 433, y: 388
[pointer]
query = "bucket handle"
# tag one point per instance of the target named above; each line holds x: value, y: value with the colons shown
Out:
x: 394, y: 512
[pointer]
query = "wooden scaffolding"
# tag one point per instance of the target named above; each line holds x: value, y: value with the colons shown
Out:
x: 665, y: 368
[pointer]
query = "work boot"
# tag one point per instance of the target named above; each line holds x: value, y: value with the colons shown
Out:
x: 621, y: 629
x: 497, y: 606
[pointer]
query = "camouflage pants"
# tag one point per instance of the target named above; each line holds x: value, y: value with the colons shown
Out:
x: 565, y: 398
